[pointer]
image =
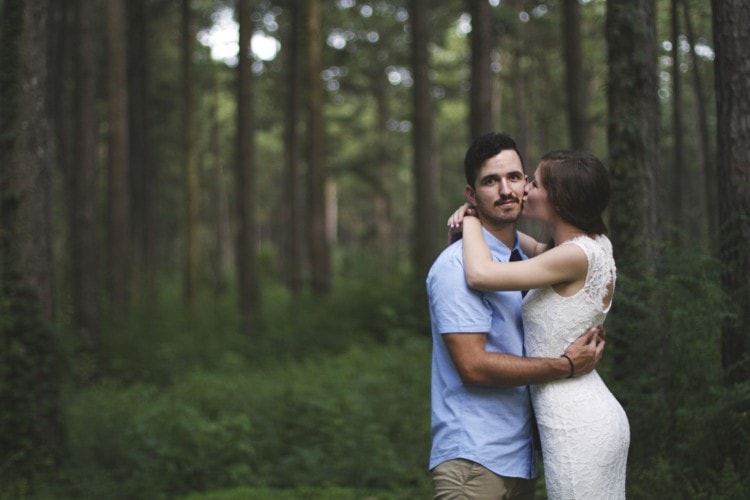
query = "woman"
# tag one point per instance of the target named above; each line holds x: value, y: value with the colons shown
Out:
x: 584, y: 430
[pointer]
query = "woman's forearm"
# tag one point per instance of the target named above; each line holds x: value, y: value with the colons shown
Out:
x: 477, y: 256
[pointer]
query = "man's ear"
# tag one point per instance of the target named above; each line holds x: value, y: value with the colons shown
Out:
x: 470, y: 195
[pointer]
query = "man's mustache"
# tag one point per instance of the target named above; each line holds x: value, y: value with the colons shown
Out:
x: 509, y: 197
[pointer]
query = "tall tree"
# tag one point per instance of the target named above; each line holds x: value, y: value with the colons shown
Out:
x: 633, y: 142
x: 708, y: 175
x: 61, y: 40
x: 118, y: 226
x: 320, y: 259
x: 191, y: 159
x: 633, y: 131
x: 249, y: 291
x: 143, y: 168
x: 223, y: 262
x: 292, y: 209
x: 731, y: 26
x: 381, y: 200
x: 426, y: 180
x: 83, y: 181
x: 678, y: 155
x: 519, y: 105
x: 575, y: 85
x: 481, y: 43
x: 31, y: 434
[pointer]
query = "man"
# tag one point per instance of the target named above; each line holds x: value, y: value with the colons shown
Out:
x: 482, y: 420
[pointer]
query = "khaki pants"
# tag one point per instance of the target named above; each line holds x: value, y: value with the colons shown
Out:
x: 465, y: 480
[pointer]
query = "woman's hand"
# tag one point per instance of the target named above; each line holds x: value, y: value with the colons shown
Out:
x: 457, y: 218
x: 455, y: 221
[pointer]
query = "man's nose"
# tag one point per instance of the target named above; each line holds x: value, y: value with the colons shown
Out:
x: 504, y: 186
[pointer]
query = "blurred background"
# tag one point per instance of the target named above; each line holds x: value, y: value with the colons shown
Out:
x: 217, y: 218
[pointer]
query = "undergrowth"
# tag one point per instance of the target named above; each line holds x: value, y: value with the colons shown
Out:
x: 331, y: 393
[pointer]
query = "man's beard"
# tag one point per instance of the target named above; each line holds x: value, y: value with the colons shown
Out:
x: 496, y: 216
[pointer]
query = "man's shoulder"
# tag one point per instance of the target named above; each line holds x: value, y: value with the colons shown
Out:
x: 450, y: 258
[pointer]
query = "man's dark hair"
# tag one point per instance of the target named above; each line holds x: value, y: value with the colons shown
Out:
x: 483, y: 148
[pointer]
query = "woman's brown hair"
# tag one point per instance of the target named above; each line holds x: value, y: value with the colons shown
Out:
x: 578, y: 187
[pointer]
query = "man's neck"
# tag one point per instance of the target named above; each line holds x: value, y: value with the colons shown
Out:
x: 505, y: 232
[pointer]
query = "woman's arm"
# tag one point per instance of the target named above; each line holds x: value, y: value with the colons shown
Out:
x: 530, y: 246
x: 562, y: 264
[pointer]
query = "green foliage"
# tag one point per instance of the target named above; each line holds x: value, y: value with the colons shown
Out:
x: 331, y: 394
x: 29, y: 433
x: 305, y: 493
x: 331, y: 399
x: 358, y: 419
x: 688, y: 432
x: 147, y: 443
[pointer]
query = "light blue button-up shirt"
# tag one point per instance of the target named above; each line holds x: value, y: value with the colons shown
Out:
x: 488, y: 425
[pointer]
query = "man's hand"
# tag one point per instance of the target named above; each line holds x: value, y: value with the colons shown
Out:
x: 587, y: 350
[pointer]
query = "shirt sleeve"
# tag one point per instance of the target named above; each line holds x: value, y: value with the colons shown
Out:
x: 454, y: 307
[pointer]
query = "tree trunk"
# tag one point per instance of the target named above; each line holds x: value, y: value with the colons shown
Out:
x: 707, y: 185
x: 574, y: 79
x: 83, y: 178
x: 633, y: 143
x: 731, y: 21
x: 144, y: 169
x: 191, y: 160
x: 30, y: 430
x: 426, y: 181
x: 633, y: 132
x: 382, y: 205
x: 60, y: 78
x: 677, y: 184
x: 520, y: 110
x: 249, y: 291
x: 320, y: 259
x: 481, y: 43
x: 292, y: 208
x: 223, y: 255
x: 118, y: 226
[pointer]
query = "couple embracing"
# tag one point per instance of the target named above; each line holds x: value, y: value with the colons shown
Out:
x: 507, y: 362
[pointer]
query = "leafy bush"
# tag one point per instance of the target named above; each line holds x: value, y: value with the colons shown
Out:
x: 670, y: 383
x: 331, y: 398
x: 30, y: 435
x: 359, y: 419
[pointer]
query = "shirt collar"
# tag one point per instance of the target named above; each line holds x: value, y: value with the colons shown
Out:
x: 498, y: 248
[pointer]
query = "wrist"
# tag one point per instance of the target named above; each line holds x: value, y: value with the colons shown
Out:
x: 572, y: 368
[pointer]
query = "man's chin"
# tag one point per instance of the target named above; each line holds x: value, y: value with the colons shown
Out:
x: 506, y: 217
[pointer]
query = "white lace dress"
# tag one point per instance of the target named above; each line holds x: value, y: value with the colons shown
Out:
x: 584, y: 430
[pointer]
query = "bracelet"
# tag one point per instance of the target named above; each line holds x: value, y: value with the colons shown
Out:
x: 572, y: 366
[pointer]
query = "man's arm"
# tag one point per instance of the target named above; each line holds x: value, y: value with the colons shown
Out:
x: 479, y: 367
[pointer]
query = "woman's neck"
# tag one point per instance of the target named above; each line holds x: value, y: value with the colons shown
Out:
x: 562, y: 232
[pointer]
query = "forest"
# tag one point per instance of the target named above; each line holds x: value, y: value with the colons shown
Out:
x: 217, y: 216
